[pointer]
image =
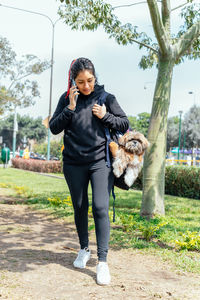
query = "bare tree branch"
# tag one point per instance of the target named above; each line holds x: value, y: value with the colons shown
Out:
x: 18, y: 79
x: 179, y: 6
x: 158, y: 27
x: 145, y: 45
x: 186, y: 40
x: 144, y: 2
x: 128, y: 5
x: 166, y: 11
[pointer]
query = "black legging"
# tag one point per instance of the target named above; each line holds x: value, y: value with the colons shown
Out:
x: 101, y: 178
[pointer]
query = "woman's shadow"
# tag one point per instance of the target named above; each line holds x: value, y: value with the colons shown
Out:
x: 21, y: 260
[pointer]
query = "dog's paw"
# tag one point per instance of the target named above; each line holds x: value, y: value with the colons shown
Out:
x: 130, y: 176
x: 113, y: 148
x: 117, y: 167
x: 117, y: 173
x: 128, y: 180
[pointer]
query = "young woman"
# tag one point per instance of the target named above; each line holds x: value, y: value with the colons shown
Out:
x: 84, y: 156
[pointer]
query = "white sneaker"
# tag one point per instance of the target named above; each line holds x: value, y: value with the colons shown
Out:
x: 103, y: 274
x: 82, y: 258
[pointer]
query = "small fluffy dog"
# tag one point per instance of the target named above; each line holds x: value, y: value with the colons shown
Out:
x: 128, y: 155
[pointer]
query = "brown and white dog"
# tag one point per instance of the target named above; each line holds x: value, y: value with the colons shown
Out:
x: 128, y: 155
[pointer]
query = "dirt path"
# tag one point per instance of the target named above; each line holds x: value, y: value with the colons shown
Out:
x: 34, y: 264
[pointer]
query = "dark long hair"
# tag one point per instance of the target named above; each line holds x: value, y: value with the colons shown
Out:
x: 78, y: 65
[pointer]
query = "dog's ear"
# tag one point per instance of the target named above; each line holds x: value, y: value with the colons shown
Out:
x: 122, y: 140
x: 145, y: 144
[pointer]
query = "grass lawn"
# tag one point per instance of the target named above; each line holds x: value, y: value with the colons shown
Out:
x: 174, y: 237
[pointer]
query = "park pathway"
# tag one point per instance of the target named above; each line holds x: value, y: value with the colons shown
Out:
x: 36, y: 255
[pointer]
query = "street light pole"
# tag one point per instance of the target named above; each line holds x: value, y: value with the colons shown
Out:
x: 184, y: 136
x: 51, y: 87
x: 179, y: 140
x: 15, y: 129
x: 52, y: 62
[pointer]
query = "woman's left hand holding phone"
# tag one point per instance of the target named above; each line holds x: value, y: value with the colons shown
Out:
x: 73, y: 94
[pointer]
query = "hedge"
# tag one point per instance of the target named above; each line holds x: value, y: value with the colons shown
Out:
x: 42, y: 166
x: 182, y: 181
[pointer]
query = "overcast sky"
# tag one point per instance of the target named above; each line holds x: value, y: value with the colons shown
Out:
x: 116, y: 66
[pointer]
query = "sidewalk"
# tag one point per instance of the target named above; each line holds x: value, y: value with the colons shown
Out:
x: 36, y: 255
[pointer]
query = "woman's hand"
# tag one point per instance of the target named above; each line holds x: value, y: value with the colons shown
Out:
x: 99, y: 110
x: 72, y: 97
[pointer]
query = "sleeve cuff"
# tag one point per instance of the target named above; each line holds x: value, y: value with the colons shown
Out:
x: 105, y: 117
x: 68, y: 111
x: 71, y: 109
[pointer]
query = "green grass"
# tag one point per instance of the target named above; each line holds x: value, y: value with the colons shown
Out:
x: 41, y: 185
x: 130, y: 230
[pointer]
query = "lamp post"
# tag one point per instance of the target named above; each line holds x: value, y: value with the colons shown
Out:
x: 52, y: 62
x: 184, y: 137
x: 51, y: 85
x: 179, y: 139
x: 15, y: 129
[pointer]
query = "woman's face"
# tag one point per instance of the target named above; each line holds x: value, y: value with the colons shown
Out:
x: 85, y: 82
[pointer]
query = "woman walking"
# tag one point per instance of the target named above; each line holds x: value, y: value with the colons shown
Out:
x: 84, y: 156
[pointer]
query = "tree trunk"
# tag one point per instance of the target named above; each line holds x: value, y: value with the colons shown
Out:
x: 154, y: 161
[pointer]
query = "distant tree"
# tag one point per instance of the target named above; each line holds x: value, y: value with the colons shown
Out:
x: 140, y: 122
x: 165, y: 50
x: 56, y: 146
x: 190, y: 130
x: 143, y: 121
x: 6, y: 130
x: 15, y: 88
x: 192, y: 127
x: 27, y: 127
x: 172, y: 132
x: 132, y: 122
x: 7, y: 56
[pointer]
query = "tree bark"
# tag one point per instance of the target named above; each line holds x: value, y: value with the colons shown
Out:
x: 186, y: 40
x: 161, y: 34
x: 166, y: 19
x: 154, y: 161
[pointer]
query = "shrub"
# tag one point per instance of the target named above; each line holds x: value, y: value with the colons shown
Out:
x: 57, y: 201
x: 37, y: 165
x: 149, y: 230
x: 128, y: 222
x: 55, y: 148
x: 146, y: 229
x: 20, y: 190
x: 190, y: 241
x: 182, y: 181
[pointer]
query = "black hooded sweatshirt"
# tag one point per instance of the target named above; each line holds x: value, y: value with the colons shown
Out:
x: 84, y: 134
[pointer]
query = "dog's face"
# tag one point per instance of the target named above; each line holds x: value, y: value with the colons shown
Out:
x: 134, y: 142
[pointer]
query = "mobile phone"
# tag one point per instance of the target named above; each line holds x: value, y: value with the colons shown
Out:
x: 74, y: 83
